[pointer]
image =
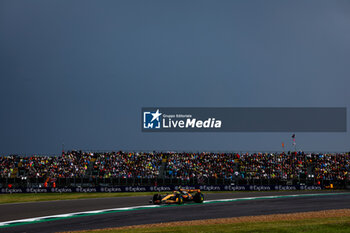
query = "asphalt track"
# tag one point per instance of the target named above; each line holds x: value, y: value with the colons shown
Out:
x: 262, y: 203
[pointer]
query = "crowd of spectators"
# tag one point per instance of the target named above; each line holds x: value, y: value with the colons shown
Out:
x: 127, y: 165
x: 201, y: 165
x: 273, y: 165
x: 77, y: 164
x: 331, y: 167
x: 281, y: 166
x: 72, y: 164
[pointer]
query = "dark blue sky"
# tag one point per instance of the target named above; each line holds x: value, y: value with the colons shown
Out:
x: 79, y: 72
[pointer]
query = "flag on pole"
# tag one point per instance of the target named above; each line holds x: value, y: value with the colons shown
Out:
x: 293, y: 136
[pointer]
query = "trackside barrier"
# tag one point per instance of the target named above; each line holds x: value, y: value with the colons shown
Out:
x: 166, y: 188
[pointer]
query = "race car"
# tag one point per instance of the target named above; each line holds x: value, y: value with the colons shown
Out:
x: 179, y: 197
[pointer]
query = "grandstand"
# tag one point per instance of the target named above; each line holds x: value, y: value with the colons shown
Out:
x: 109, y: 169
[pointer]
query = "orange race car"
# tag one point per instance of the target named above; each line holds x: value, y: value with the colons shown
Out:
x: 179, y: 197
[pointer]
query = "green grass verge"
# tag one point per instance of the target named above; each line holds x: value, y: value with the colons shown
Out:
x: 34, y: 197
x: 326, y: 225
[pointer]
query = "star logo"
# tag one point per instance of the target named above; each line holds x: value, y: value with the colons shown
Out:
x: 156, y: 115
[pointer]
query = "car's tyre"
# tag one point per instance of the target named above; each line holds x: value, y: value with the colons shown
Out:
x: 198, y: 198
x: 157, y: 198
x: 180, y: 200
